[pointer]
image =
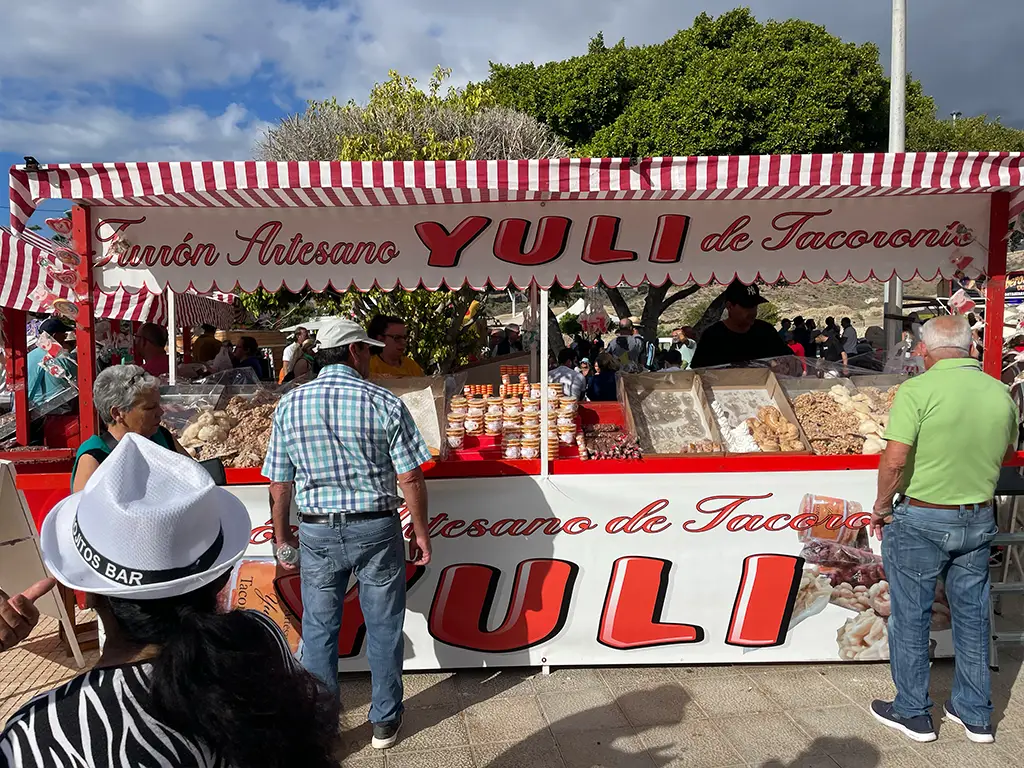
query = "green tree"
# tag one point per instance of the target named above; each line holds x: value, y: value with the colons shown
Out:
x: 400, y: 121
x: 726, y: 86
x: 926, y: 133
x: 570, y: 324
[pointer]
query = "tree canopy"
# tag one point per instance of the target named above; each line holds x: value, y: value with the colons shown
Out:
x: 401, y: 121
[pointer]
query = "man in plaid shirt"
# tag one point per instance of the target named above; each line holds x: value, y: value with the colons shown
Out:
x: 345, y: 445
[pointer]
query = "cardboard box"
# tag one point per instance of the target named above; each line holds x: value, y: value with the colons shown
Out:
x: 633, y: 389
x: 755, y: 379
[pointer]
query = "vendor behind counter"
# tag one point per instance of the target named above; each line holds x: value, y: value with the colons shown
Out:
x: 740, y: 337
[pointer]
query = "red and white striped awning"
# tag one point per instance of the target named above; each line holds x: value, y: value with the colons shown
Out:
x: 20, y: 266
x: 297, y: 184
x: 201, y: 226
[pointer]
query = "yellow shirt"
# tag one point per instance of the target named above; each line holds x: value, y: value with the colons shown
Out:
x: 381, y: 370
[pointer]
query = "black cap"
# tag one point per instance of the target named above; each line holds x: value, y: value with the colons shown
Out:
x: 744, y: 295
x: 53, y: 326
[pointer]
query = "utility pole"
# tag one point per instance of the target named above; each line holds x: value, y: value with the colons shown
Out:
x: 897, y: 143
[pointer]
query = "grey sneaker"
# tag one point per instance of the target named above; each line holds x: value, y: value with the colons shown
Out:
x: 979, y: 734
x: 919, y: 728
x: 386, y: 734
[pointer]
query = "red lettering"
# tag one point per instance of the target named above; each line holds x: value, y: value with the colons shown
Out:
x: 551, y: 526
x: 599, y: 246
x: 922, y: 235
x: 733, y: 239
x: 857, y: 239
x: 477, y: 528
x: 387, y: 252
x: 633, y: 605
x: 791, y: 230
x: 772, y: 523
x: 578, y: 525
x: 855, y: 522
x: 900, y: 238
x: 262, y: 237
x: 719, y: 513
x: 638, y: 522
x: 669, y: 239
x: 510, y: 527
x: 449, y: 531
x: 745, y: 523
x: 804, y: 522
x: 353, y: 626
x: 830, y: 241
x: 764, y: 602
x: 537, y: 610
x: 552, y: 237
x: 445, y: 248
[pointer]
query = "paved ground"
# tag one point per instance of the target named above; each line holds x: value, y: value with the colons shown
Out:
x: 684, y: 717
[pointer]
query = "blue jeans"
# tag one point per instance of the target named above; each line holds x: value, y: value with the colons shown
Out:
x: 373, y: 550
x: 918, y: 547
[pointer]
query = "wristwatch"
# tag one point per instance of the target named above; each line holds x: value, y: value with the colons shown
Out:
x: 287, y: 554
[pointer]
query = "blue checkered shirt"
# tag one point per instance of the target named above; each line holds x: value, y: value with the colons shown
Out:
x: 343, y: 441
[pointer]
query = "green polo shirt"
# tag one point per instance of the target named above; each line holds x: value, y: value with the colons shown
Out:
x: 959, y: 421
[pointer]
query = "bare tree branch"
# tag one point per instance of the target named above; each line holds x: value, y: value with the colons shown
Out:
x: 618, y: 303
x: 679, y: 296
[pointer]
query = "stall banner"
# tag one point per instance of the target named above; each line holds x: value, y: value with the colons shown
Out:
x: 554, y: 241
x: 623, y: 570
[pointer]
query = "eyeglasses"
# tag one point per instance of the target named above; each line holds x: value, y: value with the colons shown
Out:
x: 397, y: 336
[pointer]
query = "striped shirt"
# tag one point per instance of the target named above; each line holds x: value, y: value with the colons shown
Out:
x: 100, y: 720
x: 343, y: 441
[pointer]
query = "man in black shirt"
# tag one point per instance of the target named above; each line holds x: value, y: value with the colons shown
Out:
x: 741, y: 336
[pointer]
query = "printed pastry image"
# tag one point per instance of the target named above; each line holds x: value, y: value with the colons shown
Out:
x: 812, y: 596
x: 865, y: 637
x: 832, y: 514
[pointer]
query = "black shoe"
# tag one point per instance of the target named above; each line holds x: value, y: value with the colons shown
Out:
x: 979, y: 734
x: 386, y: 734
x: 919, y: 728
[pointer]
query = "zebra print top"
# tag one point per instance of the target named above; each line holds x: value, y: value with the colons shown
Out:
x: 99, y: 720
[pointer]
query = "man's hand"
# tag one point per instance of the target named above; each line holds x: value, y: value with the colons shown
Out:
x: 419, y: 548
x: 881, y: 516
x: 287, y: 539
x: 19, y: 614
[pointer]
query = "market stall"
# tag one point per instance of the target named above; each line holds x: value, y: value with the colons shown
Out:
x: 738, y: 536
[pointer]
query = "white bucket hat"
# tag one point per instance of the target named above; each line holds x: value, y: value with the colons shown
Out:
x: 149, y: 524
x: 338, y: 332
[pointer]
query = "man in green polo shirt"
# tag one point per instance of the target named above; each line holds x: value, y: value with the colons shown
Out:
x: 950, y: 429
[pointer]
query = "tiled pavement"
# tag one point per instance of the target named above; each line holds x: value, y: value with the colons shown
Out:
x: 798, y: 716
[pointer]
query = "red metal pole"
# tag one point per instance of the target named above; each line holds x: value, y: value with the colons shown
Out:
x: 995, y: 285
x: 16, y: 353
x: 85, y: 335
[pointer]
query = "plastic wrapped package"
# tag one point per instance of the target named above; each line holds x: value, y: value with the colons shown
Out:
x: 841, y: 563
x: 812, y: 596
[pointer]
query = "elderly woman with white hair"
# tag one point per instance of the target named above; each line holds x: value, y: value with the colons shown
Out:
x: 128, y: 400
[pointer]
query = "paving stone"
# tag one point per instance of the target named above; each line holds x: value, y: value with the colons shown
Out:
x: 505, y: 719
x: 485, y: 684
x: 430, y: 689
x: 799, y: 688
x: 539, y: 750
x: 581, y: 711
x: 760, y: 738
x: 896, y: 758
x: 729, y: 696
x: 847, y: 729
x: 690, y: 744
x: 636, y: 678
x: 957, y: 753
x: 578, y: 679
x: 607, y: 748
x: 664, y: 705
x: 457, y: 757
x: 429, y: 729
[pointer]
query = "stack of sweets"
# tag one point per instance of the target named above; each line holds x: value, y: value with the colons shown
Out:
x: 478, y: 390
x: 456, y: 429
x: 581, y: 444
x: 475, y: 411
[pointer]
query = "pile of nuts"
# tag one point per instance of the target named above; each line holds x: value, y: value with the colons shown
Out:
x: 239, y: 435
x: 832, y: 432
x: 871, y: 409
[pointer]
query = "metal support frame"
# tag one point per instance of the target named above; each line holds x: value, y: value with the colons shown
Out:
x: 897, y: 143
x: 16, y: 356
x: 995, y: 290
x: 85, y: 332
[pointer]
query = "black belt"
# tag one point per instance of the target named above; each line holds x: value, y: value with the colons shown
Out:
x: 329, y: 518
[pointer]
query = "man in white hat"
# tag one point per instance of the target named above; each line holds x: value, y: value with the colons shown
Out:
x: 343, y: 446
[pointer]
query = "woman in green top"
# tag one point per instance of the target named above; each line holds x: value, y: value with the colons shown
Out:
x: 128, y: 400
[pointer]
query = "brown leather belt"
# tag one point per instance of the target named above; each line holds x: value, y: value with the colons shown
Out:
x: 329, y: 518
x: 929, y: 505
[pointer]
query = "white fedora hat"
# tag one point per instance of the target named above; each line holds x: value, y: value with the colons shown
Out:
x: 149, y: 524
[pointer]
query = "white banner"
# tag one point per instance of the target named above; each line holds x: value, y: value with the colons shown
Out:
x: 561, y: 241
x: 625, y: 570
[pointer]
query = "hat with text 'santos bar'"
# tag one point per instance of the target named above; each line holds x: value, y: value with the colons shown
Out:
x: 149, y: 524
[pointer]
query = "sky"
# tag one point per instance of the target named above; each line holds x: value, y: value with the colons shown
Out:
x: 110, y: 80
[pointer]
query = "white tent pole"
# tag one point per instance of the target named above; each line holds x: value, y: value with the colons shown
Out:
x: 172, y: 344
x: 545, y: 401
x: 534, y: 355
x: 897, y: 143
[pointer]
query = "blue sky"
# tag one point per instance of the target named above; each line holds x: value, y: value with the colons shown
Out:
x: 112, y: 80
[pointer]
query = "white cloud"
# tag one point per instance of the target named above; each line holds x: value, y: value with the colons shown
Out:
x: 94, y: 134
x: 299, y: 50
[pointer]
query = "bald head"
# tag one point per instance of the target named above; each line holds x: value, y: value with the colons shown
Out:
x: 947, y: 337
